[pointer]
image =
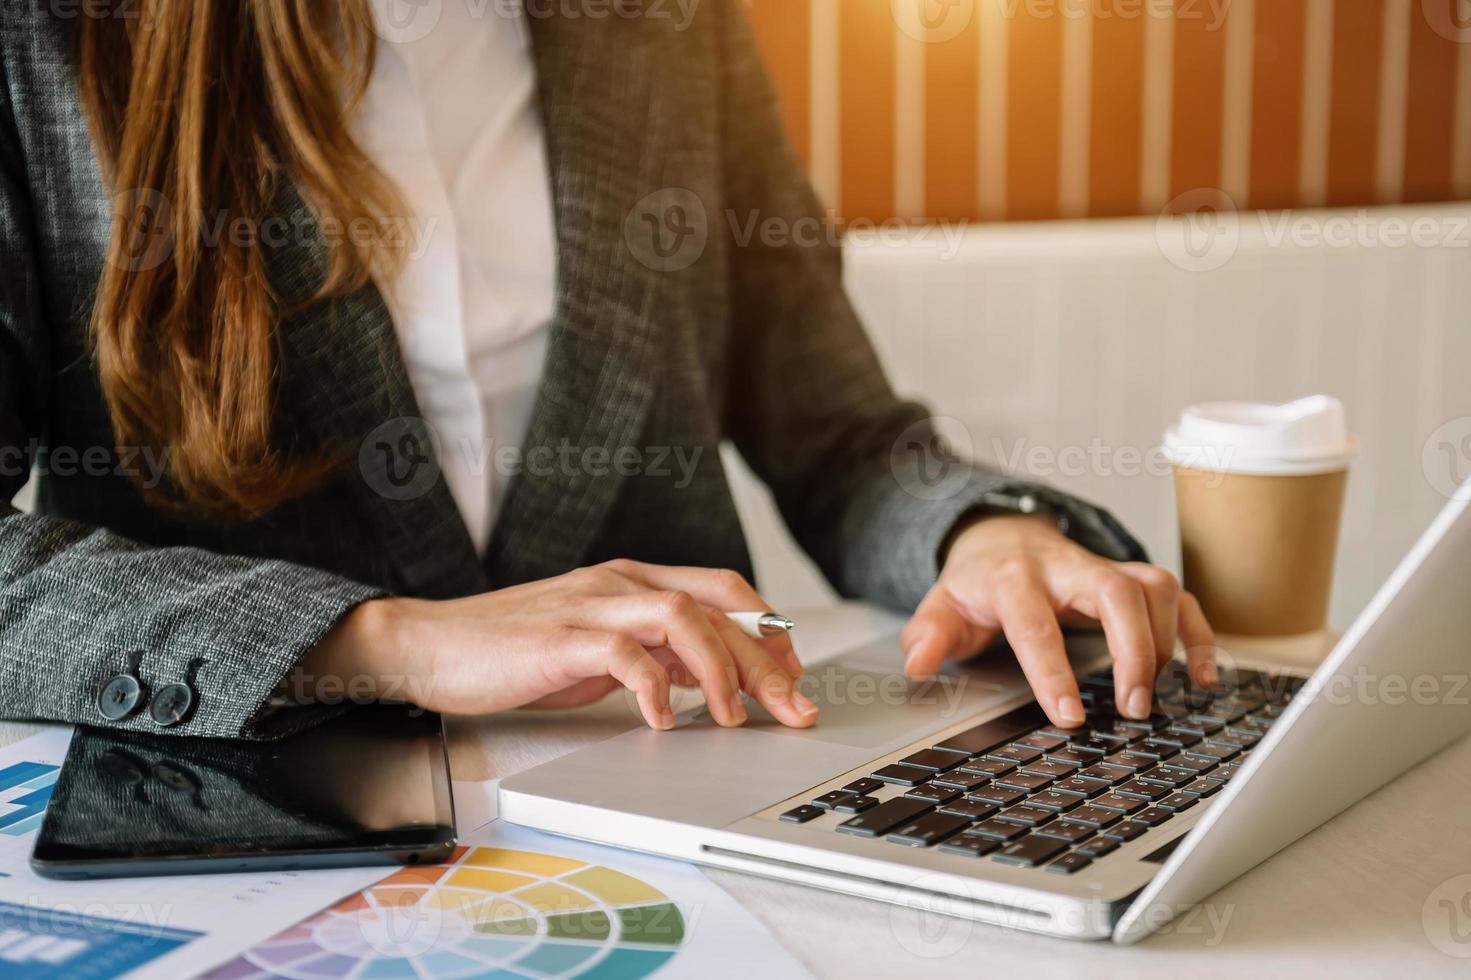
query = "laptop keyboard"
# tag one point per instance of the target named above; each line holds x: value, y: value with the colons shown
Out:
x: 1023, y: 792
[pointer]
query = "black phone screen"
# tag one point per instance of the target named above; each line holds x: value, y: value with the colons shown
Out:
x: 368, y: 787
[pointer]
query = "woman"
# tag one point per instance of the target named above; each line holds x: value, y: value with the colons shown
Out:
x: 277, y: 295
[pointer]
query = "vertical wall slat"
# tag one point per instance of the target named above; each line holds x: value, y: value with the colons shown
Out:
x: 1430, y: 118
x: 1276, y: 120
x: 866, y: 107
x: 784, y: 32
x: 1118, y: 113
x: 952, y: 125
x: 1034, y: 117
x: 1353, y: 136
x: 1199, y: 78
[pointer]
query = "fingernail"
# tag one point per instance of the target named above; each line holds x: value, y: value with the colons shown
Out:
x: 737, y: 708
x: 803, y: 706
x: 1138, y: 703
x: 666, y: 719
x: 1207, y: 676
x: 1070, y: 710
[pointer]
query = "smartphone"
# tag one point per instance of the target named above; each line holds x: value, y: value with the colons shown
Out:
x: 369, y: 787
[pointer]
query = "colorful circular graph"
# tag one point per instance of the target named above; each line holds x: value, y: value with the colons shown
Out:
x: 488, y: 912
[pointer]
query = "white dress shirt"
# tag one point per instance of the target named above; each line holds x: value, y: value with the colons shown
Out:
x: 451, y: 118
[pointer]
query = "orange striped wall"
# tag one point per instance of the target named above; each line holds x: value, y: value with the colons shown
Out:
x: 1032, y: 109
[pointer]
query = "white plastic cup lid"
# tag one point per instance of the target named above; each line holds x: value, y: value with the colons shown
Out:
x: 1299, y: 438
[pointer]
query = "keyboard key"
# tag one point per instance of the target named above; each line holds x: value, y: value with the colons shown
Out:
x: 802, y: 814
x: 1172, y: 774
x: 884, y: 817
x: 1117, y: 732
x: 1235, y: 739
x: 1152, y: 816
x: 1054, y: 731
x: 1014, y: 754
x: 1069, y: 864
x: 987, y: 767
x: 902, y: 775
x: 1021, y: 780
x: 1093, y: 816
x: 1142, y: 789
x: 1219, y: 753
x: 1178, y: 739
x: 1082, y: 785
x: 1072, y: 757
x: 997, y: 732
x: 997, y: 796
x: 1108, y: 774
x: 1051, y: 770
x: 1227, y: 771
x: 1206, y: 723
x: 830, y: 801
x: 863, y: 786
x: 1129, y: 760
x: 929, y: 829
x: 1030, y: 851
x: 1190, y: 764
x: 970, y: 845
x: 1124, y: 804
x: 1204, y: 787
x: 999, y: 829
x: 1125, y: 831
x: 1098, y: 847
x: 1053, y: 800
x: 1154, y: 749
x: 961, y: 780
x: 1185, y: 728
x: 1073, y: 833
x: 933, y: 794
x: 970, y: 809
x: 935, y: 760
x: 1044, y: 743
x: 1178, y: 802
x: 1027, y: 816
x: 856, y: 804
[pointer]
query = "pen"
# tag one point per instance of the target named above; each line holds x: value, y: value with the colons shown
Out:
x: 759, y: 625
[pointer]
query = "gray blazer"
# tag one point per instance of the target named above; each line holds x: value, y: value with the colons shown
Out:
x: 661, y: 349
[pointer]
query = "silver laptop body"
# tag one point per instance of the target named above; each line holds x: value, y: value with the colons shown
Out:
x: 1392, y: 693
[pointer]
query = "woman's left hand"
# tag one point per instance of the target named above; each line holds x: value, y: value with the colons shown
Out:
x: 1021, y: 577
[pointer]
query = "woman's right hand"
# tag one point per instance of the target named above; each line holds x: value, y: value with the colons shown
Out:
x: 564, y: 642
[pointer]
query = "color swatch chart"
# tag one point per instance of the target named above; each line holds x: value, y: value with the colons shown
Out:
x: 488, y: 912
x: 25, y: 789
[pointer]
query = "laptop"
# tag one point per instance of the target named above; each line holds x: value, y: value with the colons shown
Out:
x: 957, y: 793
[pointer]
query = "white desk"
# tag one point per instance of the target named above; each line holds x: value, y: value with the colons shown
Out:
x: 1346, y: 901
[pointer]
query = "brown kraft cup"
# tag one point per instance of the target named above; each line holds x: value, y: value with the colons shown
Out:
x: 1258, y: 551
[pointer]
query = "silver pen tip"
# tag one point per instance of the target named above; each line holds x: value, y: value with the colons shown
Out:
x: 775, y: 623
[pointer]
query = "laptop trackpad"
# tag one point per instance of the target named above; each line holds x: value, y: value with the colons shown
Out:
x: 866, y: 709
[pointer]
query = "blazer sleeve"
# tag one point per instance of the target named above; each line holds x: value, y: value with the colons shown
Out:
x: 810, y: 408
x: 80, y: 605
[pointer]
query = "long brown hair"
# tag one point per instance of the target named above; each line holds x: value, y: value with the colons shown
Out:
x: 199, y: 109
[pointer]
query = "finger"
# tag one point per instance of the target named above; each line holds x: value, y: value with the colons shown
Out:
x: 1162, y: 596
x: 1125, y: 617
x: 1025, y: 609
x: 938, y: 631
x: 674, y: 620
x: 597, y: 653
x: 719, y: 588
x: 679, y: 674
x: 1199, y: 640
x: 762, y: 678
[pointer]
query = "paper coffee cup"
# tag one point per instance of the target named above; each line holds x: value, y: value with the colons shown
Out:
x: 1259, y: 490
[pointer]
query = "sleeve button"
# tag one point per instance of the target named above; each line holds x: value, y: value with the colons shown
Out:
x: 171, y: 704
x: 119, y: 697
